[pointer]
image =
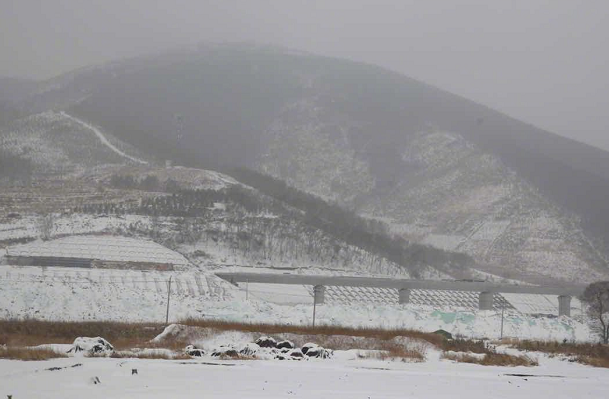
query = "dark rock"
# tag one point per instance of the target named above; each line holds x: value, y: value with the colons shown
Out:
x: 266, y: 342
x: 249, y: 349
x: 192, y: 350
x: 285, y: 344
x: 292, y: 354
x: 319, y: 352
x: 296, y: 353
x: 227, y: 351
x: 307, y: 346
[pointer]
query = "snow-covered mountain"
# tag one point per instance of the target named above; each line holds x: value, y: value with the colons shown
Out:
x: 439, y: 169
x: 83, y: 180
x: 445, y: 192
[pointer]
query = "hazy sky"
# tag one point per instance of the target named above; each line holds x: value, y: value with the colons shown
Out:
x: 544, y: 62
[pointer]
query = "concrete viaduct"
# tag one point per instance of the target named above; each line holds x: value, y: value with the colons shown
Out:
x: 403, y: 286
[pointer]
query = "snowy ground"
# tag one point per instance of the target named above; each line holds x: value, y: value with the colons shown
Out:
x: 305, y: 379
x: 90, y: 294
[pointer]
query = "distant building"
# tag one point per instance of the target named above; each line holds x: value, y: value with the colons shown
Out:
x: 101, y: 252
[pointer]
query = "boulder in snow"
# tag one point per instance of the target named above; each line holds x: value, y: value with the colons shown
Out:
x: 285, y: 344
x: 266, y: 342
x: 193, y: 351
x: 249, y: 349
x: 91, y: 346
x: 293, y: 354
x: 305, y: 348
x: 225, y: 351
x: 316, y: 351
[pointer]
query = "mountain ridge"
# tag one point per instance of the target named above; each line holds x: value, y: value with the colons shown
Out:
x: 228, y: 106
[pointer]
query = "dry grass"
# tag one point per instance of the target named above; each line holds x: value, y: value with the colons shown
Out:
x: 393, y: 343
x: 126, y: 335
x: 569, y: 349
x: 15, y: 353
x: 31, y: 332
x: 405, y: 353
x: 593, y: 361
x: 491, y: 359
x: 465, y: 345
x: 318, y: 331
x: 465, y: 350
x: 596, y: 355
x: 402, y: 344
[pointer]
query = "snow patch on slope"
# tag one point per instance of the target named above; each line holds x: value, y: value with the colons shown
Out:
x: 103, y: 138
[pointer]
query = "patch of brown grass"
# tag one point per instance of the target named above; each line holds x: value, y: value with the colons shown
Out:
x: 465, y: 345
x: 593, y: 361
x: 492, y: 359
x: 596, y: 355
x: 404, y: 353
x: 504, y: 359
x: 30, y: 332
x: 564, y: 348
x: 29, y: 354
x: 461, y: 357
x: 394, y: 343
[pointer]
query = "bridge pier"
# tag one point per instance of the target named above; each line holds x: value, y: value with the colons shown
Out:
x: 485, y: 301
x: 319, y: 294
x: 564, y: 305
x: 403, y: 295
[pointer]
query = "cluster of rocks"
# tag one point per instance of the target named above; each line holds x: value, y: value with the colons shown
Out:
x: 286, y: 350
x: 265, y: 347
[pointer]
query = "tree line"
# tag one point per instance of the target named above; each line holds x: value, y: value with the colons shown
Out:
x: 276, y: 197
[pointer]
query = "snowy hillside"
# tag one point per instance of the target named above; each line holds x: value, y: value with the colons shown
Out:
x: 60, y: 143
x: 223, y: 238
x: 69, y: 294
x: 442, y: 170
x: 447, y: 193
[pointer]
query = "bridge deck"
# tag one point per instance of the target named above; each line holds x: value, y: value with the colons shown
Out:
x: 350, y: 281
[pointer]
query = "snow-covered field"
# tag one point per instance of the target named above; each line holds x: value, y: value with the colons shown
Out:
x: 341, y: 378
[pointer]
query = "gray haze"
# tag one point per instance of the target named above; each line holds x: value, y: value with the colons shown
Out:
x: 544, y: 62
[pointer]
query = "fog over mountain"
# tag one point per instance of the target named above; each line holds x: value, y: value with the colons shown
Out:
x: 539, y: 61
x: 400, y: 113
x: 439, y: 169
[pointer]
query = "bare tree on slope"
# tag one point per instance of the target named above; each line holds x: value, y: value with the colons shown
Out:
x: 596, y: 297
